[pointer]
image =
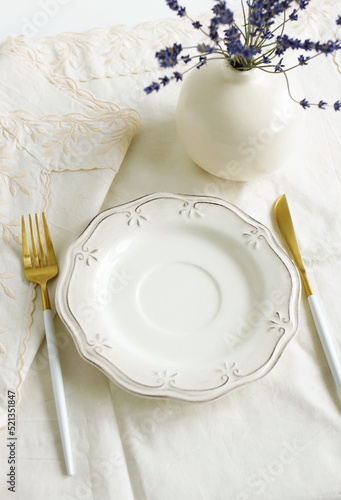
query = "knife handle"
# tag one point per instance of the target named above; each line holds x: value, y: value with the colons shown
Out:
x: 326, y: 340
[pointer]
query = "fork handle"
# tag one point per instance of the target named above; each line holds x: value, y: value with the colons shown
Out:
x: 58, y: 389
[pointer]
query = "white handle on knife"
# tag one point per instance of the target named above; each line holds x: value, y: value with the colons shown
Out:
x: 58, y: 389
x: 326, y: 340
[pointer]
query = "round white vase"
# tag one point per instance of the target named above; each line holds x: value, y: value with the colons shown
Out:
x: 235, y: 124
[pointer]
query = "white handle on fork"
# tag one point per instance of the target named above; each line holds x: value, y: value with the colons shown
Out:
x: 58, y: 389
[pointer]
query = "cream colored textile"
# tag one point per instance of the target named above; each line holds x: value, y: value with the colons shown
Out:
x: 67, y: 117
x: 60, y: 149
x: 277, y: 438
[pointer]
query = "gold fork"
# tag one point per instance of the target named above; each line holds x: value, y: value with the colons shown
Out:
x: 40, y: 267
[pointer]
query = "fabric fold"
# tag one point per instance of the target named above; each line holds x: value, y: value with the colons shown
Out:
x: 60, y: 149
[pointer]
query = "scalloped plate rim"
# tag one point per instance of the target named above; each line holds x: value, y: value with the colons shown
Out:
x: 169, y: 392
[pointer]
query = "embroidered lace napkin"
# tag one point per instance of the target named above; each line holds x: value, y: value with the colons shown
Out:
x: 60, y: 149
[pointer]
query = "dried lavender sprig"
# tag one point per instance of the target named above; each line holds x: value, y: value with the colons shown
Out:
x: 254, y: 46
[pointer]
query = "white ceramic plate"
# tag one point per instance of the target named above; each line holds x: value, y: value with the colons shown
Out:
x: 177, y: 296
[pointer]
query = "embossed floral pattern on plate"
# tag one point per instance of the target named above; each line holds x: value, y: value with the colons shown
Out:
x: 185, y: 297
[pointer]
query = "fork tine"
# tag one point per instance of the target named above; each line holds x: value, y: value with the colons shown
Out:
x: 49, y: 246
x: 25, y: 248
x: 41, y: 253
x: 33, y: 241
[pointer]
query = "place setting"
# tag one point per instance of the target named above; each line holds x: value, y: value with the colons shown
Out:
x: 171, y: 256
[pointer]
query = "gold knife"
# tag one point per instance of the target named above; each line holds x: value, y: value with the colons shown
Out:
x: 285, y: 224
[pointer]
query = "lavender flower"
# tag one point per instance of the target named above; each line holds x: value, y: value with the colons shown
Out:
x: 173, y: 4
x: 168, y: 57
x: 303, y: 61
x: 259, y: 43
x: 337, y: 105
x: 305, y: 104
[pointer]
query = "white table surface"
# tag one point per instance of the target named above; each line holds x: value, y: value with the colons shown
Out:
x: 40, y: 18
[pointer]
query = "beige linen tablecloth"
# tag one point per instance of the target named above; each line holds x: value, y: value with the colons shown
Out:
x: 69, y: 108
x: 60, y: 149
